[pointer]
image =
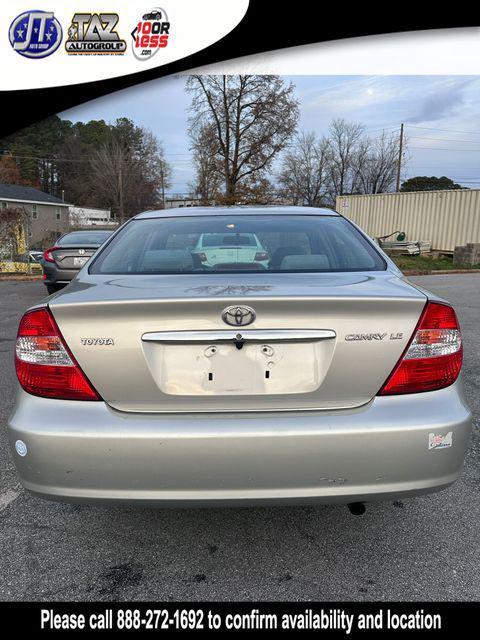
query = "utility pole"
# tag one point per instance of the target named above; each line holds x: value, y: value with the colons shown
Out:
x: 120, y: 193
x: 162, y: 177
x: 400, y: 153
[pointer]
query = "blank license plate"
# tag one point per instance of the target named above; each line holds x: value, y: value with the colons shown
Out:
x: 222, y: 369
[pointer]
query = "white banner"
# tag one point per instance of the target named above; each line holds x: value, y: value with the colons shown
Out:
x: 435, y: 52
x: 66, y: 42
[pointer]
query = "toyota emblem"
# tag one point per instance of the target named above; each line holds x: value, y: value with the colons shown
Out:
x: 238, y: 316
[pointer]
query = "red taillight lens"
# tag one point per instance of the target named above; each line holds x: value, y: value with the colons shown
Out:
x: 47, y: 254
x: 433, y: 358
x: 261, y: 255
x: 44, y: 364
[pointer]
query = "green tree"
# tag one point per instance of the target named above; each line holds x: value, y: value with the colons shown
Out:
x: 34, y: 149
x: 432, y: 183
x: 58, y: 157
x: 73, y: 162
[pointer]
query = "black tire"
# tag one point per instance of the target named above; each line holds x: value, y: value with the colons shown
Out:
x: 53, y: 288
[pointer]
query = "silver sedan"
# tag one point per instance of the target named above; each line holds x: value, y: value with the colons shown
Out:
x: 314, y: 372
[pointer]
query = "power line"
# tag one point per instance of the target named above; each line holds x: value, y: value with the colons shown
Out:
x: 75, y: 161
x: 442, y: 149
x: 396, y: 127
x: 453, y: 167
x: 443, y: 139
x: 475, y: 133
x: 6, y: 153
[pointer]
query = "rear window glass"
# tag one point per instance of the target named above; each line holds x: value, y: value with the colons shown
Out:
x: 90, y: 237
x: 232, y: 244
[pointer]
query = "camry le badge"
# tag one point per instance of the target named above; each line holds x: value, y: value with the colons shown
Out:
x: 372, y: 336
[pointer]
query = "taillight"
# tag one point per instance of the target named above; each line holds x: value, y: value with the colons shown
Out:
x: 47, y: 254
x: 44, y: 364
x: 261, y: 255
x: 433, y: 358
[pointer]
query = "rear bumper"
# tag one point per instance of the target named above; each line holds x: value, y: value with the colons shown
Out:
x: 85, y: 451
x: 54, y: 275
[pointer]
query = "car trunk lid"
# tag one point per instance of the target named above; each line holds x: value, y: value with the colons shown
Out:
x: 72, y: 257
x: 159, y: 344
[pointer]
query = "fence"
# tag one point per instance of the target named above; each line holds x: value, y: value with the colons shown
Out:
x: 446, y: 218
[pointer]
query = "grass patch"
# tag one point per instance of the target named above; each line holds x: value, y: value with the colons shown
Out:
x: 427, y: 263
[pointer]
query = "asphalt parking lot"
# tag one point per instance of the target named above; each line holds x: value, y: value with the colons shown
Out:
x: 426, y: 548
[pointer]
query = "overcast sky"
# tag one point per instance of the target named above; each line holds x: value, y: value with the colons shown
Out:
x: 441, y: 116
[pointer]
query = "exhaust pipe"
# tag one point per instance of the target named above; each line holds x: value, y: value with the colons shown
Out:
x: 356, y: 508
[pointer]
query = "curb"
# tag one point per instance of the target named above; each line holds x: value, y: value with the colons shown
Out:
x: 8, y: 277
x: 439, y: 272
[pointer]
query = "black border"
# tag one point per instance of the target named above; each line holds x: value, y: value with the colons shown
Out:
x: 265, y: 27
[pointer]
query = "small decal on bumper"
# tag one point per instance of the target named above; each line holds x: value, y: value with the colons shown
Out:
x: 440, y: 442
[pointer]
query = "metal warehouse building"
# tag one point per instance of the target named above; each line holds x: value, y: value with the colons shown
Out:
x: 446, y: 218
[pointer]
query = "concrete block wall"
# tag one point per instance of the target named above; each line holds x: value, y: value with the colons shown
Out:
x: 467, y: 254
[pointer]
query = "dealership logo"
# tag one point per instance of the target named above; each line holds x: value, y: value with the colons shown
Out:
x: 35, y: 34
x: 94, y: 33
x: 151, y: 33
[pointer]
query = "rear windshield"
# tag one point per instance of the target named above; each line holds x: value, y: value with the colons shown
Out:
x: 89, y: 237
x: 285, y: 244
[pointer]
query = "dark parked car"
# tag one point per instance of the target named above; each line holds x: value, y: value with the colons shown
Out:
x: 62, y: 262
x: 35, y: 255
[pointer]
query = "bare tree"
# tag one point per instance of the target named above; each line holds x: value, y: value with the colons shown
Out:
x: 113, y: 171
x: 378, y: 163
x: 315, y: 171
x: 253, y: 118
x: 153, y: 166
x: 131, y: 179
x: 208, y: 167
x: 346, y: 152
x: 155, y: 171
x: 304, y: 174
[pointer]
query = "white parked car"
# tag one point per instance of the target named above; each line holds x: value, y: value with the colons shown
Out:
x: 219, y: 249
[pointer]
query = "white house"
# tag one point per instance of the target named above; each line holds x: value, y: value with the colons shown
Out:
x: 171, y: 203
x: 90, y: 217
